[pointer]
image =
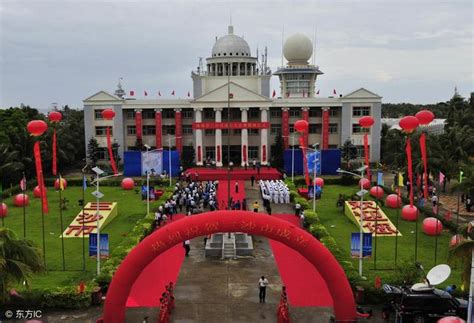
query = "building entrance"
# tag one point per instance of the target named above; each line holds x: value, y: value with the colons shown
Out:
x: 235, y: 155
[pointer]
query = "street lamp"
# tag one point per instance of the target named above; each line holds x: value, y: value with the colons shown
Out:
x: 98, y: 196
x: 147, y: 147
x: 361, y: 194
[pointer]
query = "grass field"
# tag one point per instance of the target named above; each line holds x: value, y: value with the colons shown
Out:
x: 340, y: 227
x: 130, y: 209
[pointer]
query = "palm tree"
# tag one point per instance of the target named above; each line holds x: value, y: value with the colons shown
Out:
x: 18, y: 260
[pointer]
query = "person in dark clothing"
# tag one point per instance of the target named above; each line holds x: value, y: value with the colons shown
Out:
x: 252, y: 179
x: 187, y: 247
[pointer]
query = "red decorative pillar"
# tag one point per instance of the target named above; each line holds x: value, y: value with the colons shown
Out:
x: 138, y: 124
x: 285, y: 126
x: 325, y: 128
x: 158, y: 131
x: 178, y: 131
x: 305, y: 116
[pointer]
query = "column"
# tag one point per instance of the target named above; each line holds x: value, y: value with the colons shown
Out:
x: 305, y: 116
x: 218, y: 141
x: 198, y: 141
x: 264, y: 137
x: 285, y: 126
x: 325, y: 129
x: 245, y: 137
x: 138, y: 124
x: 158, y: 130
x: 178, y: 131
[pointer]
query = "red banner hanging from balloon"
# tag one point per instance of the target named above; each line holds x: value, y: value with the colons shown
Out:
x: 39, y: 177
x: 305, y: 116
x: 55, y: 166
x: 218, y: 158
x: 244, y: 153
x: 111, y: 153
x: 410, y: 168
x: 158, y: 132
x: 199, y: 154
x: 366, y: 155
x: 325, y: 128
x: 138, y: 125
x: 264, y: 153
x: 425, y: 164
x: 305, y: 161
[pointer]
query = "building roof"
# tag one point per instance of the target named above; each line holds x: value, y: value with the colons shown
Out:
x: 231, y: 45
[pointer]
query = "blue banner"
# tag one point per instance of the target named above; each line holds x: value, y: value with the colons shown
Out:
x: 104, y: 245
x: 366, y: 245
x: 380, y: 178
x: 314, y: 160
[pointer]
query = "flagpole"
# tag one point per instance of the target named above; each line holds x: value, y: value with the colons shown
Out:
x: 61, y: 218
x: 83, y: 216
x: 24, y: 206
x: 42, y: 216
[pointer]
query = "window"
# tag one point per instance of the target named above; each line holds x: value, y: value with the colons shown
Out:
x: 315, y: 112
x: 314, y: 128
x: 225, y: 131
x: 254, y: 113
x: 253, y: 132
x: 295, y: 112
x: 292, y: 128
x: 187, y: 129
x: 168, y: 114
x: 275, y: 129
x: 237, y: 131
x: 275, y: 113
x: 168, y: 130
x: 102, y: 153
x: 98, y: 114
x: 131, y: 130
x: 333, y: 128
x: 148, y: 114
x: 253, y: 152
x: 209, y: 114
x: 332, y: 146
x: 209, y: 132
x: 101, y: 131
x: 333, y: 112
x: 360, y: 111
x: 149, y: 130
x: 129, y: 114
x: 187, y: 113
x: 210, y: 152
x: 356, y: 128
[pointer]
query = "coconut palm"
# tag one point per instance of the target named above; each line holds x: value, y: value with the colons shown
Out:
x: 18, y: 260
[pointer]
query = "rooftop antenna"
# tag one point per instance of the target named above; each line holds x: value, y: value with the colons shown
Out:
x: 314, y: 46
x: 282, y: 39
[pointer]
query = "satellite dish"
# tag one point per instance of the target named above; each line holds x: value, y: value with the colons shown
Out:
x: 421, y: 287
x: 438, y: 274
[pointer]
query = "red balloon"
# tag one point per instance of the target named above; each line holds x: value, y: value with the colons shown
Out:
x: 451, y: 319
x: 37, y: 192
x: 365, y: 183
x: 393, y: 201
x: 455, y: 240
x: 432, y: 226
x: 108, y: 114
x: 128, y: 183
x: 366, y: 122
x: 301, y: 125
x: 36, y: 127
x: 424, y: 116
x: 3, y: 210
x: 55, y: 116
x: 377, y: 192
x: 21, y: 199
x: 56, y: 183
x: 409, y: 123
x: 410, y: 213
x: 319, y: 181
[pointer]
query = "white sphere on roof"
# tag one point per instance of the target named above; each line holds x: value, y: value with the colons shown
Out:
x: 298, y: 49
x: 231, y: 45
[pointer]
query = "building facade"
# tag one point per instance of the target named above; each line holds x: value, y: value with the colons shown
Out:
x: 233, y: 115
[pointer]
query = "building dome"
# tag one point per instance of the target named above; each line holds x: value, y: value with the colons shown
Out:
x: 231, y: 45
x: 298, y: 49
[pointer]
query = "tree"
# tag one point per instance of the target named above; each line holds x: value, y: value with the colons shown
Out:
x: 278, y: 152
x: 18, y: 260
x: 348, y: 152
x: 187, y: 157
x: 115, y: 148
x: 93, y: 151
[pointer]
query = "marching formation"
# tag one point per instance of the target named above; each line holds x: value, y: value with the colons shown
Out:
x: 275, y: 191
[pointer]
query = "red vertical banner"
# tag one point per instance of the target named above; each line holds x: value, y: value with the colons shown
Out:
x: 55, y: 165
x: 366, y: 155
x: 425, y: 164
x: 158, y: 131
x: 218, y: 153
x: 410, y: 168
x: 305, y: 115
x: 264, y: 153
x: 199, y: 154
x: 179, y: 132
x: 244, y: 153
x: 305, y: 161
x: 111, y: 153
x: 285, y: 127
x: 325, y: 128
x: 39, y: 176
x: 138, y: 124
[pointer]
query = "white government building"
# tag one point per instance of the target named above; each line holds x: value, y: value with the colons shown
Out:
x: 233, y: 110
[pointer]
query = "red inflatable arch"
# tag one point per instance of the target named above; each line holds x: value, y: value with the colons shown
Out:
x: 229, y: 221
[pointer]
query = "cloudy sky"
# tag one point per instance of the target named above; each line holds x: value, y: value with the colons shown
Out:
x: 66, y: 50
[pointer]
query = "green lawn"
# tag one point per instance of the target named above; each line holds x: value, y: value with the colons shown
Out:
x: 130, y: 209
x: 340, y: 227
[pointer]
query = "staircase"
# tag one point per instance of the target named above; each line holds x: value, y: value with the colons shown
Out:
x: 228, y: 247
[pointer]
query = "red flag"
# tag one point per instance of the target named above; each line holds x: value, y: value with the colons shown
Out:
x: 23, y: 183
x: 159, y: 93
x: 189, y: 94
x: 334, y: 91
x: 274, y: 93
x: 172, y: 93
x: 145, y: 93
x: 317, y: 92
x: 132, y: 93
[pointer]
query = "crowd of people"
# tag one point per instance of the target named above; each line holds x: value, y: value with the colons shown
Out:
x: 274, y: 191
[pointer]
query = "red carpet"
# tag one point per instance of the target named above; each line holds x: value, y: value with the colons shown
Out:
x: 206, y: 174
x: 304, y: 285
x: 149, y: 286
x: 222, y: 193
